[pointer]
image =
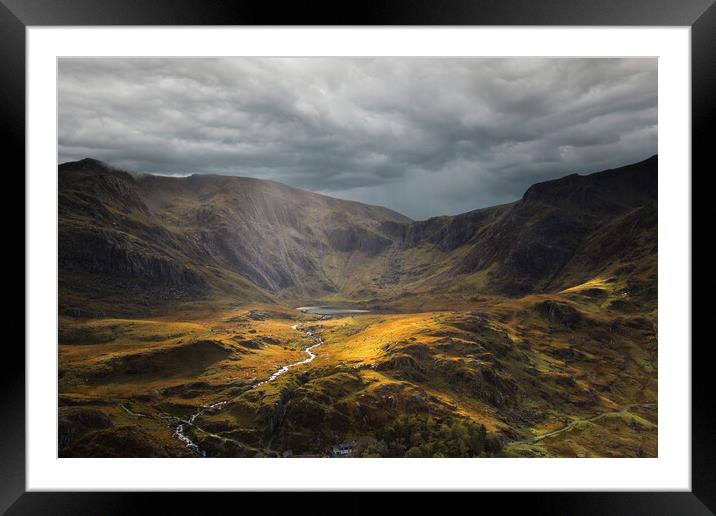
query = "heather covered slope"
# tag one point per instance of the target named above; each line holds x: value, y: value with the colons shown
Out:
x: 526, y: 329
x: 557, y: 375
x: 160, y: 240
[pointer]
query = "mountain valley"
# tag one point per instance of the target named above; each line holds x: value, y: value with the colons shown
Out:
x: 527, y: 329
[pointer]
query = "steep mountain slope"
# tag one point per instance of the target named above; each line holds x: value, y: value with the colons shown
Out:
x: 566, y: 231
x: 134, y: 240
x: 527, y: 329
x: 151, y: 237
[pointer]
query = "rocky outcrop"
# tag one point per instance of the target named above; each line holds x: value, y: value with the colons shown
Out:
x: 562, y: 314
x: 114, y: 254
x: 348, y: 240
x: 124, y: 441
x: 449, y: 233
x: 74, y: 422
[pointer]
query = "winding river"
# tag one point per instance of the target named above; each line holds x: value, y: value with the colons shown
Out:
x: 179, y: 431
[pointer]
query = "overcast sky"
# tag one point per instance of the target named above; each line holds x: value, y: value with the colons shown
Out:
x: 422, y: 136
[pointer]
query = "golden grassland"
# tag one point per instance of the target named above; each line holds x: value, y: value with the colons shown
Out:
x: 521, y: 367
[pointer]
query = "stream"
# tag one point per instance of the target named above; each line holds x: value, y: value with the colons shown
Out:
x: 179, y: 432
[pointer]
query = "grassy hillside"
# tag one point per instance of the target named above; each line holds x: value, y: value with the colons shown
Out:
x: 521, y: 368
x: 527, y: 329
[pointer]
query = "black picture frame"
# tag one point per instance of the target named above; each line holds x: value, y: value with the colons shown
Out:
x: 700, y: 15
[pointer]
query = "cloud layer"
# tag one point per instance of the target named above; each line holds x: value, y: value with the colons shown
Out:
x: 422, y: 136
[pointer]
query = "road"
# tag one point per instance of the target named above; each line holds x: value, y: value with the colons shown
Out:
x: 571, y: 425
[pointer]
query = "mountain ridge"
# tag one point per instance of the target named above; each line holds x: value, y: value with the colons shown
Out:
x: 89, y: 163
x: 527, y: 329
x: 251, y: 239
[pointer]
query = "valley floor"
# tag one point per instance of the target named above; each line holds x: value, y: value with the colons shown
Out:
x: 572, y: 374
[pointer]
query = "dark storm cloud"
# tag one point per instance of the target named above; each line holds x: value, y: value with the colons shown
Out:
x: 421, y: 136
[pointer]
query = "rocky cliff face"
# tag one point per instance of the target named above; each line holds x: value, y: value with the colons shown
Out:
x: 253, y: 239
x: 115, y: 254
x: 552, y: 229
x: 200, y: 235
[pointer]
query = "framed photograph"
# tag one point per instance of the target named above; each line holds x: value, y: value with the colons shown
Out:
x: 451, y: 247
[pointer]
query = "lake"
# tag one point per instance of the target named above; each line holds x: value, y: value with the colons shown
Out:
x: 327, y: 310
